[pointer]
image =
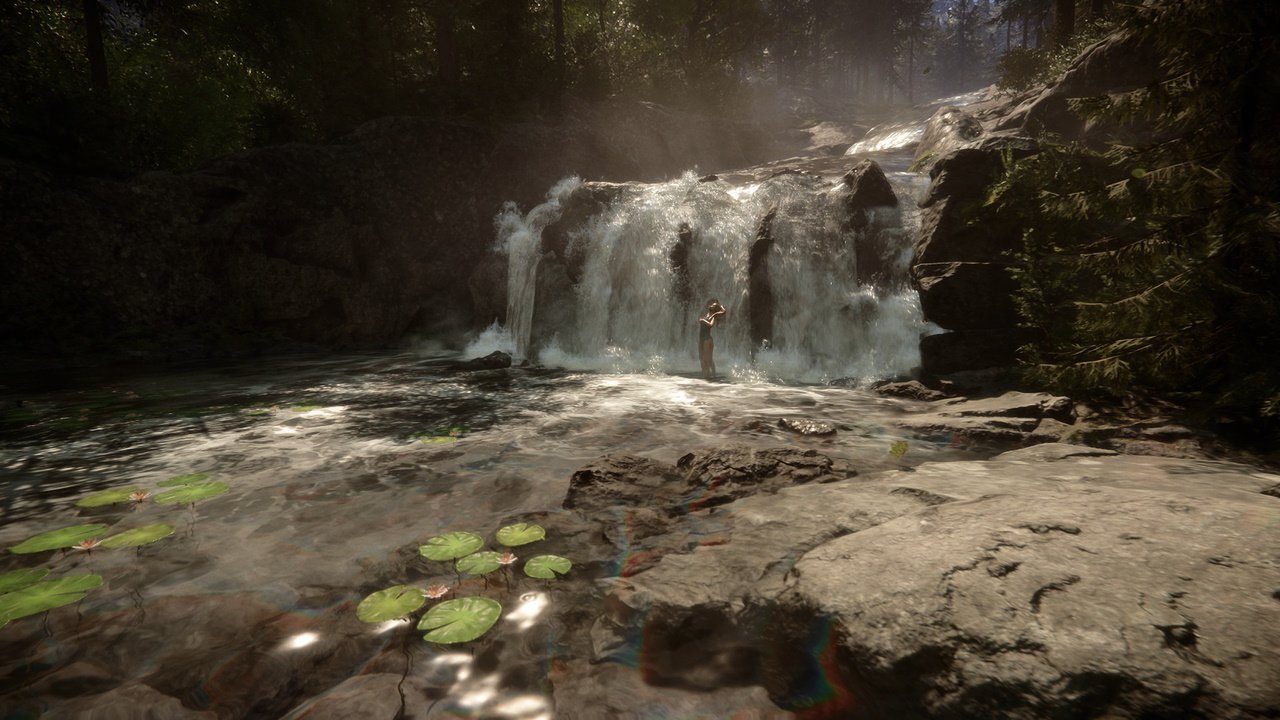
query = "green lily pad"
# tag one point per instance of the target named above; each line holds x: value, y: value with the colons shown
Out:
x: 451, y: 546
x: 547, y: 566
x: 18, y: 579
x: 107, y: 497
x: 47, y: 595
x: 305, y: 408
x: 191, y: 493
x: 898, y: 448
x: 184, y: 480
x: 394, y: 602
x: 139, y: 536
x: 521, y: 534
x: 436, y: 439
x: 461, y: 620
x: 57, y: 539
x: 481, y: 563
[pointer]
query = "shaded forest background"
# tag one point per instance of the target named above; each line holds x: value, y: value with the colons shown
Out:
x: 122, y: 86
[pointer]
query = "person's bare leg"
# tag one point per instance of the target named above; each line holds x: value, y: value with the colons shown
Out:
x: 704, y: 354
x: 711, y: 356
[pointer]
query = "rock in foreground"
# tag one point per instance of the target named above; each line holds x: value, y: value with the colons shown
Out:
x: 1054, y: 581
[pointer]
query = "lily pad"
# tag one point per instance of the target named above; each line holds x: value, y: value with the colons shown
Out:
x: 394, y: 602
x: 191, y: 493
x: 451, y: 546
x: 547, y: 566
x: 437, y: 439
x: 305, y: 408
x: 481, y: 563
x: 898, y: 448
x: 18, y: 579
x: 57, y: 539
x: 184, y: 480
x: 107, y: 497
x: 521, y: 534
x: 461, y: 620
x: 47, y: 595
x: 139, y: 536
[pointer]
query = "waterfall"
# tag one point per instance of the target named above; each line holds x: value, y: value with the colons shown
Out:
x: 624, y: 286
x: 520, y: 238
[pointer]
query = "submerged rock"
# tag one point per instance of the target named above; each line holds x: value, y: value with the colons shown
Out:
x: 496, y: 360
x: 803, y: 426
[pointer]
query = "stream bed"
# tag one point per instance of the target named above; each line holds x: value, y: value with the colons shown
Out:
x: 337, y: 468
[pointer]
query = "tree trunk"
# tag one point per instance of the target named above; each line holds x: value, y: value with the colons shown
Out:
x: 1026, y: 23
x: 1064, y: 21
x: 447, y: 51
x: 94, y: 49
x: 557, y: 19
x: 911, y: 68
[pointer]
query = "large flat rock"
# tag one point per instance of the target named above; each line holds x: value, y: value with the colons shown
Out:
x: 1053, y: 581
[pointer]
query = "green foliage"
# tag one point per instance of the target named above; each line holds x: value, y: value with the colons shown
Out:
x: 1022, y: 68
x: 451, y: 546
x: 18, y: 579
x: 57, y: 539
x: 460, y: 620
x: 46, y: 595
x: 481, y: 563
x: 138, y: 537
x: 1155, y: 262
x: 547, y: 566
x: 521, y: 534
x: 107, y: 497
x: 389, y: 604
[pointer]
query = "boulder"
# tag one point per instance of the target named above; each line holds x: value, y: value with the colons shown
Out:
x: 804, y: 426
x: 697, y: 481
x: 967, y: 295
x: 496, y: 360
x: 867, y: 187
x: 911, y: 389
x: 1013, y: 418
x: 1055, y: 581
x: 967, y: 350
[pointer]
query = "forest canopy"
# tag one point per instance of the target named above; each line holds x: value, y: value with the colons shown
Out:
x: 122, y: 86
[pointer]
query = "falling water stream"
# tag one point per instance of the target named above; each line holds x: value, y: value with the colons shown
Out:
x: 339, y: 466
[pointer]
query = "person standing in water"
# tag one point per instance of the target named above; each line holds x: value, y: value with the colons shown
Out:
x: 706, y: 345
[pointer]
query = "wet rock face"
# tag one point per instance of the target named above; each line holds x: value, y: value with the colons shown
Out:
x: 697, y: 481
x: 1055, y: 581
x: 963, y: 149
x: 759, y: 291
x: 496, y: 360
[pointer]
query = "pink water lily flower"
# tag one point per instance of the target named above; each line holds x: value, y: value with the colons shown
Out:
x: 89, y: 544
x: 506, y: 558
x: 436, y: 591
x: 139, y: 495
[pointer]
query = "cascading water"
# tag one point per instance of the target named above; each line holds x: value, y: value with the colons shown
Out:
x: 623, y: 288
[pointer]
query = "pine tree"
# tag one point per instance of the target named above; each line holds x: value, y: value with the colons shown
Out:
x: 1157, y: 262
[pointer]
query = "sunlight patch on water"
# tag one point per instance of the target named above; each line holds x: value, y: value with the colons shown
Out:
x: 893, y: 137
x: 529, y: 610
x: 299, y: 641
